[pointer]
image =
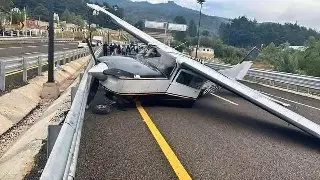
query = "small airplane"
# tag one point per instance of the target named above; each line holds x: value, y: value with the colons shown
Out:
x: 163, y: 73
x: 153, y: 73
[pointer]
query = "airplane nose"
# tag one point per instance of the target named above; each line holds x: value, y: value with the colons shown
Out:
x: 97, y: 71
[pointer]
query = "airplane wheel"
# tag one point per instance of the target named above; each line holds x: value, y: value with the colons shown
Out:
x: 101, y: 109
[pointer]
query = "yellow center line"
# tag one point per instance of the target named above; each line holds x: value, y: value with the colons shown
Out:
x: 166, y: 149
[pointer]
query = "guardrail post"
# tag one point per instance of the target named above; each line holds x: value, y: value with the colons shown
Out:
x: 3, y: 75
x: 64, y: 58
x: 25, y: 70
x: 297, y: 88
x: 39, y: 66
x: 72, y: 55
x: 58, y: 60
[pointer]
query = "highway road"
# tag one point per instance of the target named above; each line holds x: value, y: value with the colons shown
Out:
x: 8, y: 50
x: 221, y: 137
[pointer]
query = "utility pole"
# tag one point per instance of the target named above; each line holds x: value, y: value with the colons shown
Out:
x: 198, y: 33
x: 89, y: 23
x: 50, y: 88
x: 51, y: 44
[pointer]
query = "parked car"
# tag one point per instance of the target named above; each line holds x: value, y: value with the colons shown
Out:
x: 82, y: 44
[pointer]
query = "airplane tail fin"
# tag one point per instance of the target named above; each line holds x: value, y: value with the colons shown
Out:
x: 240, y: 70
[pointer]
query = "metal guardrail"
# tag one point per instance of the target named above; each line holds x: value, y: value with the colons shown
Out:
x: 8, y: 38
x: 272, y: 77
x: 14, y: 65
x: 23, y: 40
x: 62, y: 161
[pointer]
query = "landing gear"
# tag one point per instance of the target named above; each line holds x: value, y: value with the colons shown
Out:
x: 101, y: 109
x: 111, y: 101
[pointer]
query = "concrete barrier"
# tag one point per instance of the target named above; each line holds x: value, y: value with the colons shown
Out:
x: 18, y: 103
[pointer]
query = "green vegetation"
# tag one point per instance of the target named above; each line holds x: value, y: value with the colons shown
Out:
x: 180, y: 36
x: 135, y: 11
x: 192, y: 29
x: 71, y: 17
x: 285, y: 59
x: 72, y: 11
x: 243, y: 32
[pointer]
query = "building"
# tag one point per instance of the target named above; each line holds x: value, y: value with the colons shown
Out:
x: 203, y: 53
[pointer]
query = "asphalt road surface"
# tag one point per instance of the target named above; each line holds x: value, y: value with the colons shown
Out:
x: 8, y: 50
x: 221, y: 137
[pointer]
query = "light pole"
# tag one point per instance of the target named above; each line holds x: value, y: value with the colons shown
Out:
x: 50, y: 88
x: 51, y: 44
x: 201, y: 3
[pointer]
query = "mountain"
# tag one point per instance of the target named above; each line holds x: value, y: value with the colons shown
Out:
x: 135, y: 11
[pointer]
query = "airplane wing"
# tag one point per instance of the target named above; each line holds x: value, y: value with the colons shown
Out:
x: 245, y: 92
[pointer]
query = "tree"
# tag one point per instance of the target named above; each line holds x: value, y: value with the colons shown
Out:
x: 41, y: 12
x: 5, y: 6
x: 180, y: 35
x: 309, y: 60
x: 67, y: 16
x: 139, y: 25
x: 192, y: 29
x: 243, y: 32
x: 205, y: 33
x: 206, y: 41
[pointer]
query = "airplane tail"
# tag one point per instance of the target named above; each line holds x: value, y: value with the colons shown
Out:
x: 240, y: 70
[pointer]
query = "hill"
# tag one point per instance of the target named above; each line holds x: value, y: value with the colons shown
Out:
x: 135, y: 11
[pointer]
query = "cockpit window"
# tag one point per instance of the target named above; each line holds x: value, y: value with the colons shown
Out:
x: 152, y: 53
x: 190, y: 80
x: 162, y: 62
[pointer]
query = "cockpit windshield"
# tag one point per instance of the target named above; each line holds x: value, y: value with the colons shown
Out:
x: 152, y: 57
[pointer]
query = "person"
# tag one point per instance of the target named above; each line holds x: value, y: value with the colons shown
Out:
x: 128, y: 50
x: 124, y: 50
x: 112, y: 49
x: 105, y: 49
x: 136, y: 49
x: 119, y: 49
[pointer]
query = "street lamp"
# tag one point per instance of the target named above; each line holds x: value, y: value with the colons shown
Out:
x: 201, y: 3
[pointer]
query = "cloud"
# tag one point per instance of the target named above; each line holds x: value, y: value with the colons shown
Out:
x: 305, y: 12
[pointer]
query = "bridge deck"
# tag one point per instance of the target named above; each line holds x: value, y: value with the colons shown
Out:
x: 221, y: 137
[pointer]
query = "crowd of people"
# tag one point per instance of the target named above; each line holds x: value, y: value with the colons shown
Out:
x: 117, y: 49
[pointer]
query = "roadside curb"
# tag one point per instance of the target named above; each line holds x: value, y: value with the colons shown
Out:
x: 19, y: 159
x: 14, y: 106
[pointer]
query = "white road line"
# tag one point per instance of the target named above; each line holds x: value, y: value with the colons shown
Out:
x: 231, y: 102
x: 45, y: 45
x: 32, y: 46
x: 291, y: 101
x: 65, y: 48
x: 2, y: 48
x: 35, y: 52
x: 27, y: 53
x: 15, y: 47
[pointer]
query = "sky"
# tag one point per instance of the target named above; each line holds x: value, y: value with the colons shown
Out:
x: 304, y: 12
